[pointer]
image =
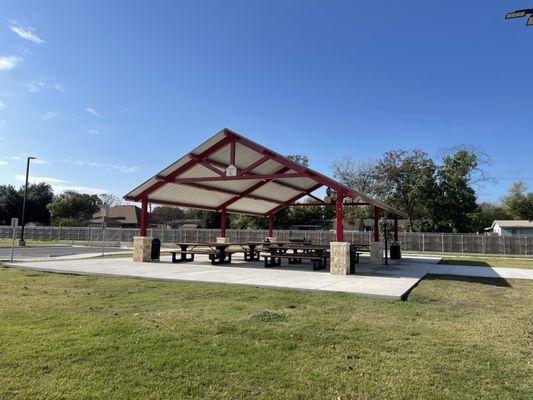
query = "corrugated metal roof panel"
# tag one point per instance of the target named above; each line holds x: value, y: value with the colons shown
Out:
x: 252, y: 205
x: 274, y: 191
x: 190, y: 195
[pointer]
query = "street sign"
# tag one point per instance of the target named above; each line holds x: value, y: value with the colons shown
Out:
x: 14, y: 222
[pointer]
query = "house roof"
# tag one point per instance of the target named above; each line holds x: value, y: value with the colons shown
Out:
x: 512, y: 223
x: 129, y: 214
x: 263, y: 183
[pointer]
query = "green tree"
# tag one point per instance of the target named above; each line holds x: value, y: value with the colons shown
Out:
x: 484, y: 214
x: 457, y: 197
x: 407, y: 180
x: 10, y: 204
x: 167, y: 215
x: 39, y: 196
x: 517, y: 203
x: 79, y: 207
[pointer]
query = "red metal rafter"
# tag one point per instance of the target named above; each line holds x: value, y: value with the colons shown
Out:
x: 226, y: 191
x: 217, y: 146
x: 254, y: 165
x: 250, y: 190
x: 230, y: 178
x: 293, y: 199
x: 232, y: 153
x: 197, y: 207
x: 207, y: 165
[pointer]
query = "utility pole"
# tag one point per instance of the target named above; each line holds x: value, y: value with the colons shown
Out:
x: 21, y: 241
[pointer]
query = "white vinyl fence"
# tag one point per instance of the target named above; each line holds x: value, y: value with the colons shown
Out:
x: 411, y: 241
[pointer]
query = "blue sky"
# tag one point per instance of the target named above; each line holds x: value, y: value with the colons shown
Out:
x: 106, y: 94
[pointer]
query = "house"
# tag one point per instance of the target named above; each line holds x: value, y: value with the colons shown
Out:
x: 121, y: 217
x: 511, y: 227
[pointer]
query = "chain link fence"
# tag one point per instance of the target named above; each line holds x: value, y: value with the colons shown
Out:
x: 411, y: 241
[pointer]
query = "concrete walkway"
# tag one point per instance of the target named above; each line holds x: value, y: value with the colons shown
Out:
x: 391, y: 282
x: 482, y: 272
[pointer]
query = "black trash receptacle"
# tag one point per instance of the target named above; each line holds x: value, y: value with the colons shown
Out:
x: 395, y: 251
x: 156, y: 249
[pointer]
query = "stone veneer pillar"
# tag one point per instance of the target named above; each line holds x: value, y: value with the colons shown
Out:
x: 224, y: 240
x: 142, y: 249
x: 272, y: 239
x: 340, y: 258
x: 376, y: 253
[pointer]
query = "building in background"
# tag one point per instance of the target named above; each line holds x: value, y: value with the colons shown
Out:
x: 511, y: 227
x: 121, y: 217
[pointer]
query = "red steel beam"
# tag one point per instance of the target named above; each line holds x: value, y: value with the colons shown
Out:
x: 217, y: 146
x: 144, y: 216
x: 293, y: 199
x: 249, y: 190
x: 223, y: 224
x: 230, y: 178
x: 199, y: 207
x: 339, y: 214
x: 254, y: 165
x: 376, y: 224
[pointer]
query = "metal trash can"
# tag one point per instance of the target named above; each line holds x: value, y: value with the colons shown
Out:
x: 156, y: 249
x: 395, y: 251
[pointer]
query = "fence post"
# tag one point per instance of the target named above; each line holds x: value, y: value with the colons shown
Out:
x: 462, y: 244
x: 442, y: 242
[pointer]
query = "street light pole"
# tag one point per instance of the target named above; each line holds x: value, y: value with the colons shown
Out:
x: 21, y: 241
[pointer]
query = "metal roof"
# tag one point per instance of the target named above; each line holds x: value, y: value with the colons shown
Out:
x: 264, y: 181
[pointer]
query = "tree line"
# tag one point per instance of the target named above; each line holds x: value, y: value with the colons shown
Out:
x: 438, y: 195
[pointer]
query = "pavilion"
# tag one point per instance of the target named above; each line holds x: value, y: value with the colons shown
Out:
x: 231, y: 174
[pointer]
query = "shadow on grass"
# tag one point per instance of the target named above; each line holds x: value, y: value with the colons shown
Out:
x: 500, y: 282
x: 475, y: 263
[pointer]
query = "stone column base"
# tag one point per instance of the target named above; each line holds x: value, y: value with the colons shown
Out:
x: 224, y: 240
x: 272, y: 239
x: 376, y: 253
x: 142, y: 249
x: 340, y: 258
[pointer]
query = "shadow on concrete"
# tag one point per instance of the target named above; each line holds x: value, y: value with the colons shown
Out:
x: 499, y: 282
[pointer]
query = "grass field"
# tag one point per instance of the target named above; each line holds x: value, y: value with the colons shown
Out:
x: 510, y: 262
x: 92, y: 337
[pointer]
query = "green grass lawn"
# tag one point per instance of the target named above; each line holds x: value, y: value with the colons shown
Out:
x: 93, y: 337
x: 512, y: 262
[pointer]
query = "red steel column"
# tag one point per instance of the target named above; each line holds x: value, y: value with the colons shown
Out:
x: 395, y: 228
x: 270, y: 225
x: 223, y: 223
x: 144, y: 216
x: 376, y: 224
x: 340, y: 226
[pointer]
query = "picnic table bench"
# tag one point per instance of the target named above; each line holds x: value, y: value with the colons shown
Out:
x: 217, y: 252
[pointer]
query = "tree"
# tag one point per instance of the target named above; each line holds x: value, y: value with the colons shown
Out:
x: 39, y: 196
x: 111, y: 200
x: 360, y: 176
x: 518, y: 203
x: 484, y: 214
x: 457, y: 197
x: 299, y: 158
x: 167, y: 215
x: 73, y: 205
x: 10, y: 204
x: 406, y: 180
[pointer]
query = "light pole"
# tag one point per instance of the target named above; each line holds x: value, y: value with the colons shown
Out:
x: 21, y: 241
x: 521, y: 14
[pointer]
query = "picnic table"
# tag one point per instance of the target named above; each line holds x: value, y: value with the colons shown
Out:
x: 295, y: 252
x: 218, y: 252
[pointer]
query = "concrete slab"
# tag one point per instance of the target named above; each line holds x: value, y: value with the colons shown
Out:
x: 387, y: 282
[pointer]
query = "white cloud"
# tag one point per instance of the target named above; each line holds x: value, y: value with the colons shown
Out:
x: 38, y: 86
x: 9, y: 62
x: 61, y: 185
x: 50, y: 115
x: 93, y: 132
x: 121, y: 168
x: 2, y: 105
x: 3, y: 162
x: 92, y: 111
x: 16, y: 158
x: 39, y: 161
x: 27, y: 32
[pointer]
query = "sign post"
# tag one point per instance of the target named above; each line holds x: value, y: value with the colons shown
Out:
x: 14, y: 224
x: 104, y: 213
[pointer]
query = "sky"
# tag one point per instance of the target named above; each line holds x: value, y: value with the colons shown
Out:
x: 107, y: 93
